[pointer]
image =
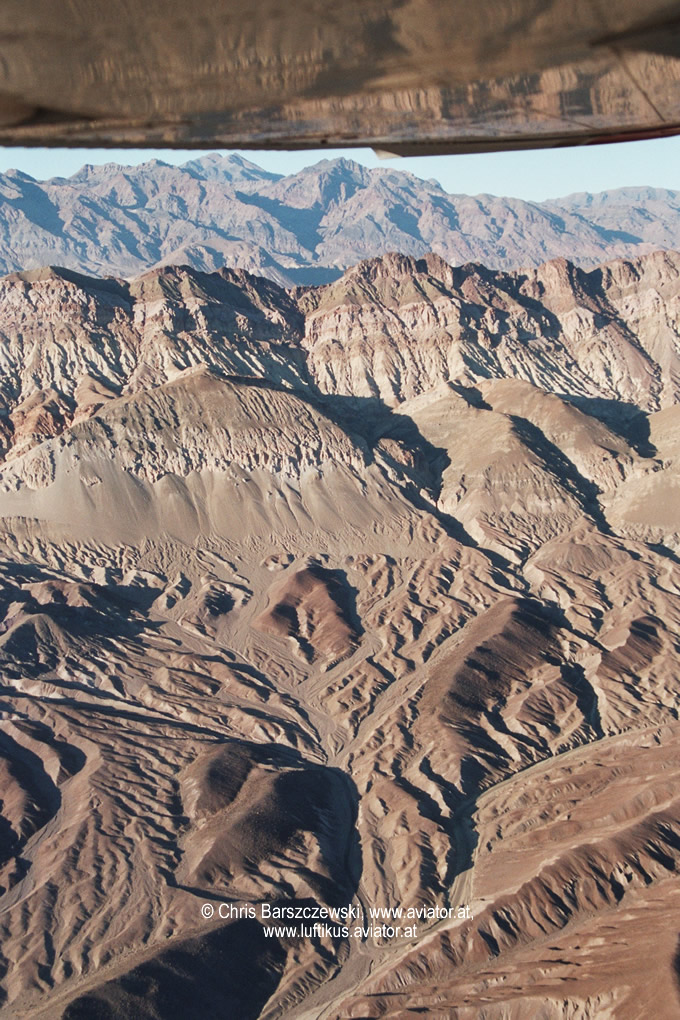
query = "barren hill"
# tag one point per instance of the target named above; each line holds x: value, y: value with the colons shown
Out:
x: 359, y: 594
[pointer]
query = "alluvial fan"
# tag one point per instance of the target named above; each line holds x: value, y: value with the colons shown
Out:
x: 361, y: 596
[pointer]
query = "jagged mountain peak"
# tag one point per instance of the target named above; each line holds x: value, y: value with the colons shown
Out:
x: 340, y: 166
x: 90, y: 172
x: 18, y: 175
x: 308, y: 227
x: 324, y: 185
x: 235, y: 288
x: 231, y: 167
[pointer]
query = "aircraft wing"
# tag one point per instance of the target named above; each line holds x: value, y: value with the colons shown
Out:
x: 406, y: 76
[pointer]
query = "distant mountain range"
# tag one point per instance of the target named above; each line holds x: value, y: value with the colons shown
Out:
x: 306, y: 228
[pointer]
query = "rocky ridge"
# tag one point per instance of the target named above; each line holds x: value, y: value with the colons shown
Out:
x: 308, y: 227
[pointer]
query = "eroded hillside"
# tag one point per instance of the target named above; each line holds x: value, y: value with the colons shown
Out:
x: 364, y: 594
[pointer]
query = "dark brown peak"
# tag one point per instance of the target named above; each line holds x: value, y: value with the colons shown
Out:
x: 477, y: 283
x: 560, y: 264
x: 470, y: 274
x: 390, y: 280
x: 617, y: 271
x: 245, y: 278
x: 561, y: 272
x: 437, y: 267
x: 479, y: 272
x: 235, y: 289
x: 391, y: 264
x: 160, y: 281
x: 177, y: 283
x: 182, y: 280
x: 170, y: 269
x: 40, y: 275
x: 266, y: 291
x: 44, y: 273
x: 254, y: 289
x: 234, y: 273
x: 561, y: 285
x: 395, y: 266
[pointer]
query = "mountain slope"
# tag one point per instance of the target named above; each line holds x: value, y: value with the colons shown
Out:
x: 309, y: 227
x: 362, y: 594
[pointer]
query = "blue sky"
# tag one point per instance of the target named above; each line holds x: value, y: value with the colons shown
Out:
x: 547, y: 173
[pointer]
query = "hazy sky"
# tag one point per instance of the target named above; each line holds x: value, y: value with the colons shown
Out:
x: 547, y: 173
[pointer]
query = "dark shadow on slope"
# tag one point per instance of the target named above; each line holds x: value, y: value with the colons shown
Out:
x: 42, y: 799
x: 676, y: 968
x: 302, y: 223
x: 576, y: 680
x: 367, y: 420
x: 638, y: 435
x: 609, y: 236
x: 472, y: 396
x: 224, y: 291
x: 626, y: 420
x: 37, y: 207
x: 107, y: 616
x: 372, y: 420
x: 15, y: 578
x: 405, y: 220
x: 142, y: 245
x: 550, y: 327
x: 106, y: 285
x: 345, y: 595
x: 234, y: 970
x: 564, y: 470
x: 28, y: 769
x: 457, y: 823
x: 231, y: 972
x: 663, y: 550
x: 44, y: 620
x: 261, y: 802
x: 423, y: 465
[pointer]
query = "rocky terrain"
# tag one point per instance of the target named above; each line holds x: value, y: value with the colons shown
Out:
x: 309, y: 227
x: 365, y: 593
